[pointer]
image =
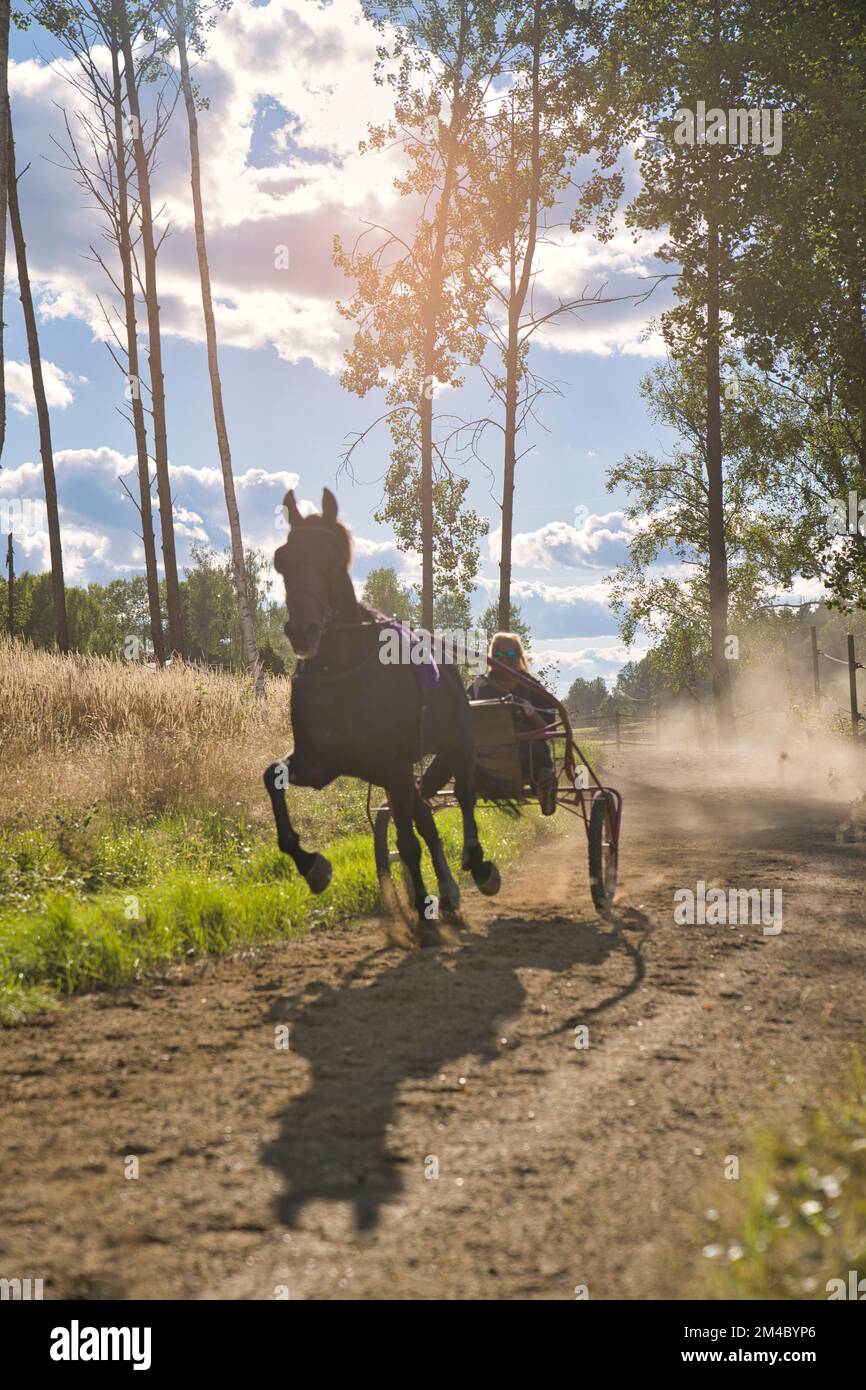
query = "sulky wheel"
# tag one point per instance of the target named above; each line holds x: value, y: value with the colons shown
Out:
x: 603, y: 855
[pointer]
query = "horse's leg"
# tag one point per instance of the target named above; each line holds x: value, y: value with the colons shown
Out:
x: 449, y: 891
x: 402, y: 800
x: 436, y: 774
x: 315, y: 868
x: 484, y: 872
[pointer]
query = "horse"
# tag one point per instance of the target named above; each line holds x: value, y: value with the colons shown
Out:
x: 355, y: 715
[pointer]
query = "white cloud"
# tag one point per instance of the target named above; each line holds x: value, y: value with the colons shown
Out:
x: 598, y: 543
x: 83, y: 547
x: 581, y: 655
x: 260, y: 477
x: 561, y: 593
x: 189, y: 524
x: 19, y: 386
x: 313, y: 67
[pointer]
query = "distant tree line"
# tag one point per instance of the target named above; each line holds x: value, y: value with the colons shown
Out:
x: 113, y: 619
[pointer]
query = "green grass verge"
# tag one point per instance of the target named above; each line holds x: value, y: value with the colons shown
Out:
x: 797, y: 1221
x: 97, y: 904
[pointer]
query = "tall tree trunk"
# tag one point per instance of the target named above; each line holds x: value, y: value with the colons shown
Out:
x: 238, y: 564
x: 4, y: 183
x: 157, y: 385
x: 138, y: 421
x: 516, y: 301
x: 431, y: 330
x: 508, y: 469
x: 61, y: 630
x: 718, y: 558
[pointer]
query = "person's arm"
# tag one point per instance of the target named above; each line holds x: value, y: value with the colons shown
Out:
x: 538, y: 713
x: 532, y: 716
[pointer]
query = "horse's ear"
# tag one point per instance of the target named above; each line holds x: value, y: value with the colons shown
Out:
x: 329, y: 506
x: 291, y: 507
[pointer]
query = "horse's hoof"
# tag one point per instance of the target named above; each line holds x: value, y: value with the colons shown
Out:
x: 449, y: 898
x: 319, y: 874
x: 428, y: 935
x: 491, y: 885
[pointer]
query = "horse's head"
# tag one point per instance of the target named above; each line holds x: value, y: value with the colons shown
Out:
x: 314, y: 563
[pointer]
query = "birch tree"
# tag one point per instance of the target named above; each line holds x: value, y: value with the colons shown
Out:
x: 4, y: 183
x: 96, y: 150
x: 189, y: 32
x: 418, y: 302
x: 120, y: 20
x: 61, y: 631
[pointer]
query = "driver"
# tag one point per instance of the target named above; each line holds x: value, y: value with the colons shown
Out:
x: 529, y: 713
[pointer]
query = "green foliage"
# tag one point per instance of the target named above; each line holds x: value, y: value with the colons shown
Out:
x: 457, y: 529
x: 800, y: 283
x: 584, y: 697
x: 190, y: 888
x: 114, y: 619
x: 489, y: 623
x: 795, y: 1220
x: 766, y: 535
x: 383, y: 590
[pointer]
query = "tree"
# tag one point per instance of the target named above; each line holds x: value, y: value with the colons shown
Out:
x: 799, y: 294
x: 211, y: 614
x: 418, y: 304
x: 672, y: 507
x: 584, y: 696
x: 490, y: 624
x: 97, y: 155
x: 532, y: 144
x: 701, y: 188
x: 383, y: 591
x: 61, y: 630
x: 121, y: 223
x: 5, y: 10
x: 120, y: 18
x: 194, y: 32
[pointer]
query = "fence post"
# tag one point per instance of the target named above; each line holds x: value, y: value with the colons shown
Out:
x: 616, y: 719
x: 852, y: 686
x: 816, y: 678
x: 10, y: 565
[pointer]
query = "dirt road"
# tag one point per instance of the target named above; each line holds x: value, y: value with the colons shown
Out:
x: 308, y: 1171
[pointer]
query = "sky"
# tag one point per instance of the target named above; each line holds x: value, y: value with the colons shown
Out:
x: 290, y: 90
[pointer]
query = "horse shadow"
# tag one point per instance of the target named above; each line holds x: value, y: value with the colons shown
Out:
x: 369, y: 1035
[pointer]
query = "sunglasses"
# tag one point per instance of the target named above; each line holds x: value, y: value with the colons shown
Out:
x: 507, y: 653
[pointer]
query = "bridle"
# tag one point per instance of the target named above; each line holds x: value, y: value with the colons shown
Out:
x: 328, y: 625
x: 327, y: 610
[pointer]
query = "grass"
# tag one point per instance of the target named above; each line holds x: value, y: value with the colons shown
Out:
x: 144, y: 901
x: 79, y: 730
x: 797, y: 1221
x: 135, y: 832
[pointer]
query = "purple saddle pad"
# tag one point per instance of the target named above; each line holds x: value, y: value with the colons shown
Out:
x: 426, y: 672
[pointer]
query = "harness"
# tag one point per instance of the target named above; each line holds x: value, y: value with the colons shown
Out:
x: 426, y: 675
x: 421, y: 673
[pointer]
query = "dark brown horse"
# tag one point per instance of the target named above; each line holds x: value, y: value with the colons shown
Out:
x: 355, y: 716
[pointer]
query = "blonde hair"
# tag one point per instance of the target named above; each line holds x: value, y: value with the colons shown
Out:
x: 515, y: 641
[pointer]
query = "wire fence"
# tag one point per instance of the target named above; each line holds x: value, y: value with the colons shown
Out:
x: 624, y: 727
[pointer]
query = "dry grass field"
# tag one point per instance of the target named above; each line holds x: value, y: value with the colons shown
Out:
x: 83, y: 729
